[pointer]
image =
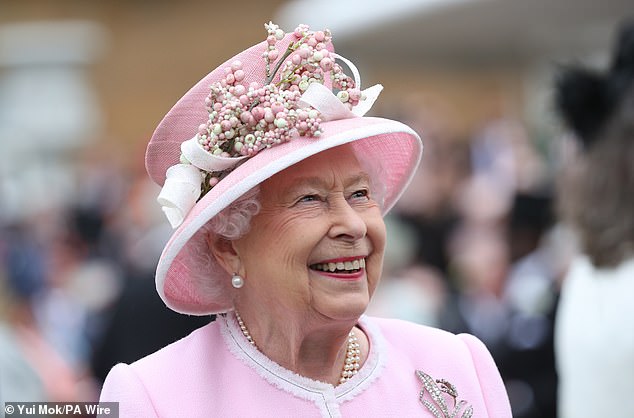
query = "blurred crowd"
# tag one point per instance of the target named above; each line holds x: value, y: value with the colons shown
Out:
x: 77, y: 291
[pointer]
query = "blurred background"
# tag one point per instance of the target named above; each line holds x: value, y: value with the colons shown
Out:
x: 475, y: 245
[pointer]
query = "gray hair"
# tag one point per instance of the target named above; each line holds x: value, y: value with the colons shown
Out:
x: 231, y: 223
x: 234, y: 221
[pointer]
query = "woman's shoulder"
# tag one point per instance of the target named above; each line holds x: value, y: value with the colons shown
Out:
x: 415, y: 338
x: 461, y: 359
x: 172, y: 357
x: 139, y: 387
x: 181, y: 351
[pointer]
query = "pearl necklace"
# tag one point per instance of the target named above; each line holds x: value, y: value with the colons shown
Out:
x: 353, y: 352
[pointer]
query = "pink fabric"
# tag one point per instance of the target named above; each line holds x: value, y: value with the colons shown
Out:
x: 215, y: 372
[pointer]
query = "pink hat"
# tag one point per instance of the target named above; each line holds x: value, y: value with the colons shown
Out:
x: 247, y: 120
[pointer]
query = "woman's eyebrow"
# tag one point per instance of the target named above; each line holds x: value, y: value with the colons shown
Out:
x: 359, y: 178
x: 320, y: 182
x: 300, y: 182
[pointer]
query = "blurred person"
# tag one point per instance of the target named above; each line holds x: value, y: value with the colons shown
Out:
x: 99, y: 310
x: 594, y: 333
x: 531, y: 292
x: 81, y: 283
x: 409, y: 289
x: 428, y: 207
x: 31, y: 368
x: 480, y: 265
x: 503, y: 152
x: 67, y: 253
x: 138, y: 323
x: 506, y: 288
x: 286, y: 245
x: 415, y: 293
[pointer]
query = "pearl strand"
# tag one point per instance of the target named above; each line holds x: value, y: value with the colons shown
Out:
x: 351, y: 364
x: 353, y: 358
x: 244, y: 330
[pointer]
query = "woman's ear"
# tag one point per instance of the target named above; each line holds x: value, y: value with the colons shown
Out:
x: 224, y: 252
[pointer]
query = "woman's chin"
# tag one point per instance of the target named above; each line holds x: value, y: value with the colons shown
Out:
x: 346, y: 308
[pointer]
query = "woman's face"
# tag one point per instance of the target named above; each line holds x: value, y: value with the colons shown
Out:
x: 317, y: 244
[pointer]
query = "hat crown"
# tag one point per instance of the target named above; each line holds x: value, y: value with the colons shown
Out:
x: 279, y: 69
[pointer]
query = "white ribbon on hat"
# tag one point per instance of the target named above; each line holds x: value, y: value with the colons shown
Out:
x: 201, y: 158
x: 180, y: 192
x: 182, y: 186
x: 331, y: 108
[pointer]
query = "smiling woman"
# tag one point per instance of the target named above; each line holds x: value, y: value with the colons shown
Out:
x: 277, y: 186
x: 318, y: 211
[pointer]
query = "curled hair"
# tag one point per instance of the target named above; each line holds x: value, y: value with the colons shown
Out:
x: 231, y: 223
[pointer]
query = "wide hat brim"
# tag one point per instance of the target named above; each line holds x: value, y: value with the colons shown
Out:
x: 391, y: 145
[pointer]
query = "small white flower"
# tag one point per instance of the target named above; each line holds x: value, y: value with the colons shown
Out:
x: 343, y: 96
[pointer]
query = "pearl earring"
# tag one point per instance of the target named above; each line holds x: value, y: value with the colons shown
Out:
x: 237, y: 281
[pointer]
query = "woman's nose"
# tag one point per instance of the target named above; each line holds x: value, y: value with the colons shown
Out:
x: 347, y: 222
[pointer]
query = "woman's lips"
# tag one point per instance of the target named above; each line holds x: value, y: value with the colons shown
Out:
x: 348, y: 268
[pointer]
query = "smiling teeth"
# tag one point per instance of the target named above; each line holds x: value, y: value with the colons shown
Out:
x: 345, y: 266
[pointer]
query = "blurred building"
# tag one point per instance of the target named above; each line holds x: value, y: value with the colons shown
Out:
x: 49, y: 110
x: 458, y: 62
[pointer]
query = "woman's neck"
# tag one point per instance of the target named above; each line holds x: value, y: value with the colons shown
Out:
x: 317, y: 352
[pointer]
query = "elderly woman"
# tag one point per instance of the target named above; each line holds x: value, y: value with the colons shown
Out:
x: 277, y: 186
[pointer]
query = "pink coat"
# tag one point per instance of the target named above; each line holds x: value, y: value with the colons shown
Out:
x: 216, y: 372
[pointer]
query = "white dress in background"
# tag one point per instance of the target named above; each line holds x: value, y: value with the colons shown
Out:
x: 594, y: 341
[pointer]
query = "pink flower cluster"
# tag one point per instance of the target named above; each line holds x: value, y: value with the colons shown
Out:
x: 245, y: 119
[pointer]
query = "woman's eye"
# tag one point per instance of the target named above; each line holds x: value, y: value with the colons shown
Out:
x: 360, y: 194
x: 309, y: 198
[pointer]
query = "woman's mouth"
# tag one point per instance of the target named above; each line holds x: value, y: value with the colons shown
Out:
x: 340, y: 267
